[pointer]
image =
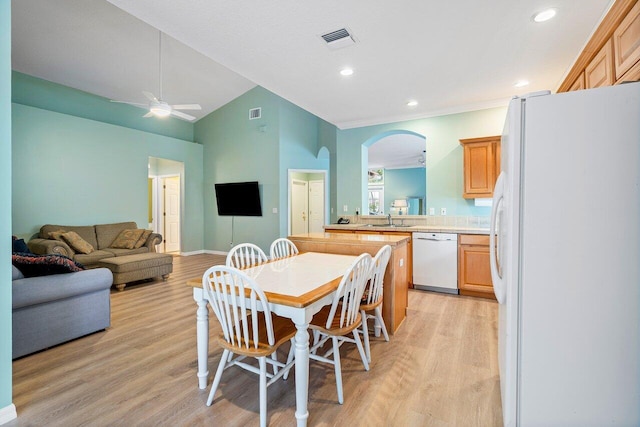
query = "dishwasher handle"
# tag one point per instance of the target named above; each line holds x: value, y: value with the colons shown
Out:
x: 435, y: 239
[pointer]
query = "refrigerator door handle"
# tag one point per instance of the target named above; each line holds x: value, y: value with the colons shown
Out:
x: 499, y: 286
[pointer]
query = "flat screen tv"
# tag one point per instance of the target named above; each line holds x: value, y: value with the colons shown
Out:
x: 238, y: 199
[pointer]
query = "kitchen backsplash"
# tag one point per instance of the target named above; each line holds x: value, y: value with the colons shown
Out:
x: 430, y: 220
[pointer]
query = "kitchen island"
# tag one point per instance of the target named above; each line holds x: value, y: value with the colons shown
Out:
x: 394, y: 305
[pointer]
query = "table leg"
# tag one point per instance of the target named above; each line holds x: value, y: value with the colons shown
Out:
x: 302, y: 373
x: 202, y: 337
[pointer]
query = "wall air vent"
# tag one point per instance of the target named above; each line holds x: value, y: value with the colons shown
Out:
x: 338, y: 39
x: 255, y: 113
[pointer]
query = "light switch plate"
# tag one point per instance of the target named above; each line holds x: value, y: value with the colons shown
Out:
x: 443, y: 211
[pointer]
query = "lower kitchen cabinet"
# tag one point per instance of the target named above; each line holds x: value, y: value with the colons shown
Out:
x: 474, y: 274
x: 409, y: 259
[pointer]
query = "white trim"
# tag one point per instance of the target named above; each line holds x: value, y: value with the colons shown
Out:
x: 8, y: 413
x: 206, y: 251
x: 327, y: 202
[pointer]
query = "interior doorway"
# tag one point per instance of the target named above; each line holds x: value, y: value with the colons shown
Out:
x: 166, y: 202
x: 307, y: 206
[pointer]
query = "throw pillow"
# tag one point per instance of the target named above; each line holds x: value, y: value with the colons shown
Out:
x: 31, y: 265
x: 19, y: 245
x: 127, y: 238
x: 57, y: 235
x: 143, y: 238
x: 77, y: 243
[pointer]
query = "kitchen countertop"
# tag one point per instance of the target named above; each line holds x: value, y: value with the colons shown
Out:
x: 351, y: 238
x: 408, y: 229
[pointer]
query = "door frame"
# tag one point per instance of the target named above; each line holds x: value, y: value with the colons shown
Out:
x: 325, y: 175
x: 158, y: 207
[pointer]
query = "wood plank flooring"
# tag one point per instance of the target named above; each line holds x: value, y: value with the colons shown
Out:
x: 440, y: 369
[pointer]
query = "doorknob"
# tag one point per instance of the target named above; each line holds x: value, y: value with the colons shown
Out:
x: 304, y: 216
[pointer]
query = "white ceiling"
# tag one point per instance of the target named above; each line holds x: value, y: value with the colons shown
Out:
x: 450, y: 56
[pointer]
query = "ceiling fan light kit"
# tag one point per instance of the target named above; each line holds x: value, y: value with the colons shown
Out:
x: 160, y: 109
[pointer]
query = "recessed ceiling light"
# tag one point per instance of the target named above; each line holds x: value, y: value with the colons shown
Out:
x: 412, y: 103
x: 346, y: 71
x: 545, y: 15
x: 521, y: 83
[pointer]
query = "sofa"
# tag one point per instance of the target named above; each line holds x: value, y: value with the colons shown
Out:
x: 52, y: 309
x: 101, y: 238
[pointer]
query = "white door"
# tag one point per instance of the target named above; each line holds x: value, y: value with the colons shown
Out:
x: 316, y: 206
x: 171, y: 214
x: 299, y: 207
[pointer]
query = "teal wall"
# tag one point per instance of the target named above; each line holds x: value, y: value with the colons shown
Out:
x: 402, y: 184
x: 70, y: 170
x: 443, y: 157
x: 28, y: 90
x: 239, y: 149
x: 5, y: 206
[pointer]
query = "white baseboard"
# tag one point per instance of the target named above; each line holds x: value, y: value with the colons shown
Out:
x: 203, y: 251
x: 8, y: 413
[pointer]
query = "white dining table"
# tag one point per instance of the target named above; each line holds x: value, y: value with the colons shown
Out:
x: 297, y: 287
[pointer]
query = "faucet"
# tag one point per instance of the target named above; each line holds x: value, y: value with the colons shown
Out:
x: 389, y: 218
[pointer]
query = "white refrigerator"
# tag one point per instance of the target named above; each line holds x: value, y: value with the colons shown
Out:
x: 565, y: 257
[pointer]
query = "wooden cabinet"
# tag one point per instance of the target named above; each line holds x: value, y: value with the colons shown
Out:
x: 612, y: 53
x: 599, y: 72
x: 578, y: 84
x: 626, y: 42
x: 396, y: 292
x: 409, y: 260
x: 474, y: 275
x: 481, y: 166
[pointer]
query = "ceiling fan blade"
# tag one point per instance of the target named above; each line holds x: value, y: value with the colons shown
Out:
x: 187, y: 107
x: 182, y: 115
x: 150, y: 96
x: 149, y: 114
x: 130, y: 103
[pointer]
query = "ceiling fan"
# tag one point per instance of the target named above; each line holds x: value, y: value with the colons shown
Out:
x: 157, y: 106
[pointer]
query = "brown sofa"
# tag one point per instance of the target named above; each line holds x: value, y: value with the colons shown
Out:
x: 100, y: 236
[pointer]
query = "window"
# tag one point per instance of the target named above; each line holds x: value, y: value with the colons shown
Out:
x: 376, y: 200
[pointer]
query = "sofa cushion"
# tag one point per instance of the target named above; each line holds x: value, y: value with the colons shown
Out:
x: 32, y: 265
x: 143, y: 238
x: 123, y: 252
x: 77, y: 243
x: 87, y: 232
x: 92, y: 258
x: 127, y: 239
x: 107, y: 233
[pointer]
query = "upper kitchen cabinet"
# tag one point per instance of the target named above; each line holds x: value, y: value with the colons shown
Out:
x: 599, y: 72
x: 626, y: 42
x: 481, y: 166
x: 612, y: 54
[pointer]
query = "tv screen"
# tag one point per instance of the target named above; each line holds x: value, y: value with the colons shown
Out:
x: 238, y: 199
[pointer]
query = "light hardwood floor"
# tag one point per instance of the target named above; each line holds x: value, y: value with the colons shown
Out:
x: 440, y: 369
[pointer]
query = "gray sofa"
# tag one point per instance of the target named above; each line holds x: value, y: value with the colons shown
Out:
x: 50, y: 310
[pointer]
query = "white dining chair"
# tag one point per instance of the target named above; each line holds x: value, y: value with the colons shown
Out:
x: 282, y: 248
x: 245, y: 255
x: 342, y: 318
x: 249, y: 329
x: 372, y: 298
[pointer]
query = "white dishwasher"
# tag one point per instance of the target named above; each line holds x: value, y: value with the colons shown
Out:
x: 435, y: 262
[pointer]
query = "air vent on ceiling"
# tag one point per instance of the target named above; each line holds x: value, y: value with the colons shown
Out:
x: 255, y: 113
x: 338, y: 39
